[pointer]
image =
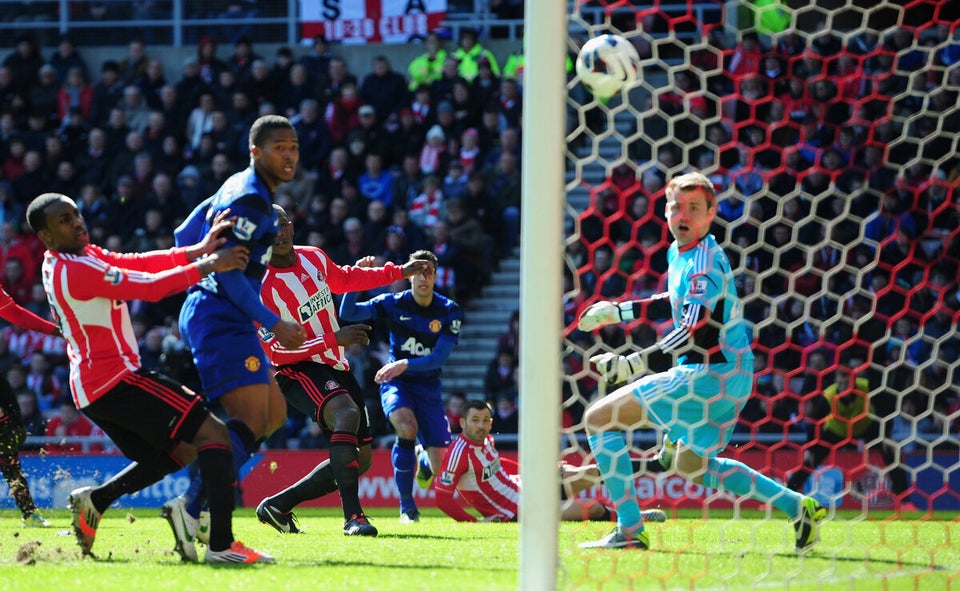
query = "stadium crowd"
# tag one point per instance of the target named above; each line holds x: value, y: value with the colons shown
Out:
x: 835, y: 160
x: 391, y: 162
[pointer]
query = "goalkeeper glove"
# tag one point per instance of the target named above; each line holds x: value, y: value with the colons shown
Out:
x: 617, y: 369
x: 600, y: 314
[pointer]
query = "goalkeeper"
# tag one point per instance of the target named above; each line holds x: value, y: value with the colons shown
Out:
x: 695, y: 402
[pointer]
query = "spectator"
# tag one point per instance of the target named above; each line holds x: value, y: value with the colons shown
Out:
x: 506, y: 415
x: 242, y: 57
x: 376, y: 183
x: 510, y: 339
x: 454, y: 410
x: 200, y: 121
x: 33, y: 179
x: 134, y: 65
x: 455, y: 183
x: 135, y: 108
x: 502, y: 183
x: 343, y: 113
x: 295, y: 89
x: 43, y: 97
x: 317, y: 61
x: 485, y: 87
x: 374, y: 136
x: 152, y: 83
x: 425, y: 210
x: 427, y: 67
x: 452, y: 278
x: 470, y: 156
x: 403, y: 136
x: 501, y: 375
x: 466, y: 109
x: 261, y: 86
x: 842, y: 413
x: 33, y: 419
x: 24, y: 63
x: 70, y: 422
x: 106, y: 92
x: 66, y: 57
x: 469, y: 53
x: 433, y: 156
x: 384, y: 89
x: 338, y: 76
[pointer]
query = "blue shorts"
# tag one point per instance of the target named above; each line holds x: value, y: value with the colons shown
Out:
x: 225, y: 345
x: 697, y: 405
x: 425, y: 399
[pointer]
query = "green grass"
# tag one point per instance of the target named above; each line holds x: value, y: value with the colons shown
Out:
x: 134, y: 552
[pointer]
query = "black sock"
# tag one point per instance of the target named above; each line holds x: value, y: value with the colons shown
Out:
x: 343, y: 460
x: 13, y: 473
x: 321, y: 481
x: 216, y: 470
x: 134, y: 478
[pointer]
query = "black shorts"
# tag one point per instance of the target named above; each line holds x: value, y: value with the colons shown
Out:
x: 308, y: 385
x: 147, y: 414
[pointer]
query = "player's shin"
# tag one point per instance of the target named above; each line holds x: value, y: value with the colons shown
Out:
x: 742, y: 480
x: 613, y: 461
x: 216, y: 469
x: 343, y: 460
x: 404, y: 469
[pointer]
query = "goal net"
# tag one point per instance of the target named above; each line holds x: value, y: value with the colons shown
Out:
x: 830, y: 133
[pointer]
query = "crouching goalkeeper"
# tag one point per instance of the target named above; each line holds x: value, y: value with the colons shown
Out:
x: 695, y: 402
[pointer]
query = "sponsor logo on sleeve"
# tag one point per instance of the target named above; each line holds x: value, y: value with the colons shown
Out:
x: 265, y: 335
x: 244, y: 228
x: 698, y: 286
x: 113, y: 276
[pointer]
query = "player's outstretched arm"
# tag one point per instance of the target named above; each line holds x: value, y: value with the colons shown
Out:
x: 213, y: 240
x: 449, y: 505
x: 225, y: 259
x: 602, y: 313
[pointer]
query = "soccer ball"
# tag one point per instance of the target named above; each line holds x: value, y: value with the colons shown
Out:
x: 607, y: 64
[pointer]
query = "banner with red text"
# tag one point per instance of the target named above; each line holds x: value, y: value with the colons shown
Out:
x: 845, y: 482
x: 370, y: 21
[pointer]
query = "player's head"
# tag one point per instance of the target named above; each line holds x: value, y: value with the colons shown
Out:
x: 477, y: 420
x: 57, y: 222
x: 274, y: 149
x: 284, y: 242
x: 691, y: 207
x: 422, y: 283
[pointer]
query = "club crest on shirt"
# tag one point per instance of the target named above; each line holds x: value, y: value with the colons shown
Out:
x: 244, y: 228
x: 252, y: 363
x: 447, y: 478
x: 113, y: 276
x: 435, y: 326
x: 331, y: 385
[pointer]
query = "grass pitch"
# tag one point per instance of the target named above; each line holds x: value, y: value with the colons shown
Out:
x: 134, y: 552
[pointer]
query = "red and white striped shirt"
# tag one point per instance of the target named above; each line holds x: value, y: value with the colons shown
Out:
x: 475, y: 472
x: 87, y: 293
x: 303, y: 293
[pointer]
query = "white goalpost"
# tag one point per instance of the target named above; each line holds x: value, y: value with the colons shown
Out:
x: 540, y: 283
